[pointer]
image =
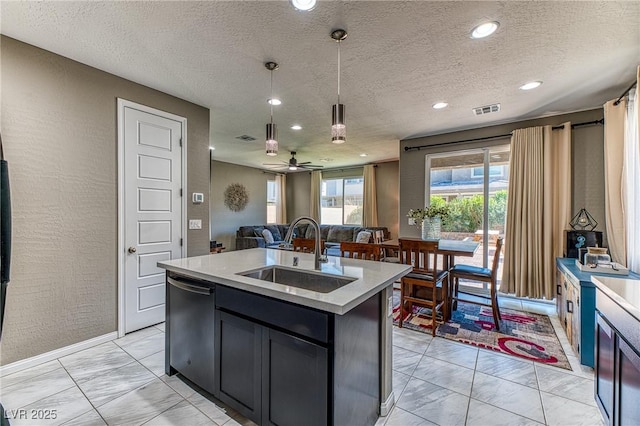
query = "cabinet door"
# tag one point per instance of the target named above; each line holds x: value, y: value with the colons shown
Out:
x: 569, y: 309
x: 604, y: 367
x: 628, y: 386
x: 295, y: 381
x: 560, y: 296
x: 239, y: 363
x: 575, y: 320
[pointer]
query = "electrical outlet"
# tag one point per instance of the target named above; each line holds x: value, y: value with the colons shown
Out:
x: 390, y: 306
x: 195, y: 224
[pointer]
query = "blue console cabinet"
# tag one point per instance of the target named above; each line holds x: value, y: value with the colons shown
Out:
x: 576, y: 306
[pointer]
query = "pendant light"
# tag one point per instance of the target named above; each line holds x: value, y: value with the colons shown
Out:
x: 272, y: 130
x: 338, y: 127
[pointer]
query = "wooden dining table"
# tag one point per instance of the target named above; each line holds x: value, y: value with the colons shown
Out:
x: 449, y: 249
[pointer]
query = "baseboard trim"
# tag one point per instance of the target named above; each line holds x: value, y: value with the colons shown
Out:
x: 23, y: 364
x: 386, y: 406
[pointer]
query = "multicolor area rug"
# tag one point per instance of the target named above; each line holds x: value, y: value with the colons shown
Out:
x: 522, y: 334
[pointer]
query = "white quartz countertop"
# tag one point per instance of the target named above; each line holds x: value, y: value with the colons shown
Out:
x: 223, y: 268
x: 624, y: 291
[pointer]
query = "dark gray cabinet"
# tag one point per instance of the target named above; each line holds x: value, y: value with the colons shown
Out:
x: 628, y: 389
x: 271, y: 377
x: 295, y: 380
x: 239, y: 364
x: 605, y: 357
x: 617, y: 381
x: 283, y: 364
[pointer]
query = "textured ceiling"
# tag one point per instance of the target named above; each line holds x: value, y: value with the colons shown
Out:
x: 399, y: 59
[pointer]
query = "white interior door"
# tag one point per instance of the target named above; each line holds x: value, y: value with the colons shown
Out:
x: 152, y: 211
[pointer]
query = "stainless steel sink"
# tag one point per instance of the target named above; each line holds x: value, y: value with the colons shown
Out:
x: 321, y: 283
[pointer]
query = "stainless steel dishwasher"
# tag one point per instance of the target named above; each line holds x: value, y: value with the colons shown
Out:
x: 190, y: 326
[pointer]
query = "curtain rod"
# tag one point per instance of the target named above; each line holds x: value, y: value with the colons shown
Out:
x: 486, y: 138
x: 624, y: 93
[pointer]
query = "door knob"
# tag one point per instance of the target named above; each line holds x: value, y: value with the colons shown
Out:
x: 132, y: 250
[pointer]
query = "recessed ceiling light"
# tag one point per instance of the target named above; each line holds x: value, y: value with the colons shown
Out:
x: 440, y: 105
x: 303, y: 5
x: 296, y: 127
x: 274, y: 101
x: 484, y: 30
x: 363, y: 155
x: 530, y: 85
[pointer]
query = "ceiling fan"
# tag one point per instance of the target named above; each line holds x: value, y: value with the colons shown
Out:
x: 293, y: 164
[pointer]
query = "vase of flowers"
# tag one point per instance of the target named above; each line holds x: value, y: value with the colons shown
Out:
x: 430, y: 220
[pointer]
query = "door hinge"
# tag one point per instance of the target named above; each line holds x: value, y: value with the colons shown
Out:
x: 180, y: 242
x: 180, y: 141
x: 181, y: 192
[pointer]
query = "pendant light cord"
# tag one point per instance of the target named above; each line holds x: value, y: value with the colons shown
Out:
x: 271, y: 100
x: 339, y: 71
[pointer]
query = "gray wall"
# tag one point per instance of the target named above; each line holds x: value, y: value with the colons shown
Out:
x: 298, y: 194
x: 224, y: 222
x: 587, y: 156
x: 59, y: 133
x: 388, y: 194
x: 387, y: 183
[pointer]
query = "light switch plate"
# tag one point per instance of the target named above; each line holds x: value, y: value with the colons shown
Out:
x: 195, y: 224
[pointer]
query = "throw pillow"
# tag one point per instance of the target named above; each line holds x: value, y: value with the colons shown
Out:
x: 275, y: 232
x: 363, y: 237
x: 339, y: 233
x: 268, y: 236
x: 257, y: 232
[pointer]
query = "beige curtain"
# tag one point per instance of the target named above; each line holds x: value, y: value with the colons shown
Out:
x: 314, y: 204
x: 632, y: 176
x: 538, y: 211
x: 563, y: 190
x: 281, y: 198
x: 614, y: 116
x: 369, y: 201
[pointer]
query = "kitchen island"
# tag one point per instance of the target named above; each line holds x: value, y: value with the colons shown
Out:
x: 284, y: 344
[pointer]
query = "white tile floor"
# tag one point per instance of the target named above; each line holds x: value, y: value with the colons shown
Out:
x: 435, y: 381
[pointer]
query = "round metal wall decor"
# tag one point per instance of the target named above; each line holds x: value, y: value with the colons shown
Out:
x: 236, y: 197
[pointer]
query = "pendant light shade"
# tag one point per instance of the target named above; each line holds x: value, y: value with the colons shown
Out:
x: 338, y: 128
x: 271, y: 138
x: 338, y: 125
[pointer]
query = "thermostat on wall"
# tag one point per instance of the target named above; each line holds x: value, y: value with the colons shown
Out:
x: 198, y: 198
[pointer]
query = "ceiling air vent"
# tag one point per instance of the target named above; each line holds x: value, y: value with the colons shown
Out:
x: 487, y: 109
x: 246, y: 138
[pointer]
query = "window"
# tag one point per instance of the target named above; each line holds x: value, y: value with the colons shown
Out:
x: 341, y: 201
x: 271, y: 201
x: 478, y: 213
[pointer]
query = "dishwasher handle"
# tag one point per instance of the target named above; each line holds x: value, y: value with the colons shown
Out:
x: 205, y: 291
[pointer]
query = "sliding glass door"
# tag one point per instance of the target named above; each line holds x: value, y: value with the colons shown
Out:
x: 474, y: 184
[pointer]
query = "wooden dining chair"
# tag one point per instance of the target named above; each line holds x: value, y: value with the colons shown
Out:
x: 364, y: 251
x: 306, y: 245
x: 425, y: 285
x: 476, y: 273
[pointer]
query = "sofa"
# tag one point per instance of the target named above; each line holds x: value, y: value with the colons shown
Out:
x: 251, y: 236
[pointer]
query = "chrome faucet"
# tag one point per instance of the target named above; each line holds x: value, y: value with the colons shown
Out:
x: 287, y: 239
